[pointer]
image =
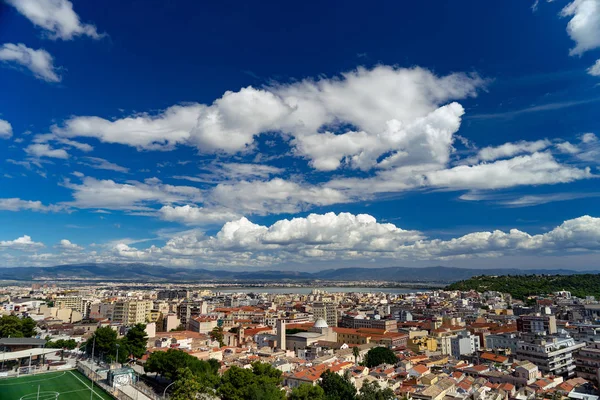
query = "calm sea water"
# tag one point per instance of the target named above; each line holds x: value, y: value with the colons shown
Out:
x: 308, y: 290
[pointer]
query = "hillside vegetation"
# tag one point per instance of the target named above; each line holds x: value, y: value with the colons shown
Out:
x: 522, y: 286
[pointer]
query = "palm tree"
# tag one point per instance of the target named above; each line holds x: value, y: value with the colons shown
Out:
x: 355, y: 353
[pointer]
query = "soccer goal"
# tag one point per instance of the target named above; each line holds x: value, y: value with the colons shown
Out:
x: 28, y: 370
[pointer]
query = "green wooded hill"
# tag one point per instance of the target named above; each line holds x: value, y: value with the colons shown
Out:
x: 522, y: 286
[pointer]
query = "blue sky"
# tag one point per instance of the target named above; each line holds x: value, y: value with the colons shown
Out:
x: 238, y: 135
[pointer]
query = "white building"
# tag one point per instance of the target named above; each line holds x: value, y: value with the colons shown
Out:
x: 503, y: 341
x: 464, y: 344
x: 552, y: 354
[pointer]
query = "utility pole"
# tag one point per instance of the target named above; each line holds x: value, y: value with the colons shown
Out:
x: 92, y: 387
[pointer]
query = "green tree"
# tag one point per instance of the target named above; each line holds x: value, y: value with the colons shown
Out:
x: 372, y: 391
x: 187, y: 386
x: 337, y: 387
x: 355, y: 353
x: 380, y: 355
x: 13, y: 326
x: 136, y: 340
x: 62, y: 345
x: 106, y: 340
x: 169, y: 363
x: 28, y: 327
x: 524, y: 286
x: 307, y: 392
x: 69, y: 344
x: 217, y: 335
x: 262, y: 382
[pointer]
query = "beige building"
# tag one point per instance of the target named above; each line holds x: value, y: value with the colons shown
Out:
x: 319, y: 332
x: 132, y: 311
x: 326, y: 311
x: 66, y: 315
x: 202, y: 325
x: 76, y: 303
x: 170, y: 322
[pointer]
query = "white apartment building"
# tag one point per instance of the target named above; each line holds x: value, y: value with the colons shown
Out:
x: 503, y: 341
x: 552, y: 354
x: 464, y: 344
x: 587, y: 362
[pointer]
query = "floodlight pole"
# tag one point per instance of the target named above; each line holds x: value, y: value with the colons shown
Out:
x: 165, y: 391
x: 92, y: 369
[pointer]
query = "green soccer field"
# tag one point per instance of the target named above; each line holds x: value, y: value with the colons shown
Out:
x: 67, y: 385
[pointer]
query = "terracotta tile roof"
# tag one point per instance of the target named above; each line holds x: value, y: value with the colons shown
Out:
x: 420, y: 369
x: 507, y: 386
x: 565, y: 386
x: 494, y: 357
x: 254, y: 331
x: 309, y: 374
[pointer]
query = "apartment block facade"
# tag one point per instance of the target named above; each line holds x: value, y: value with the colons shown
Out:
x: 132, y: 311
x: 326, y: 311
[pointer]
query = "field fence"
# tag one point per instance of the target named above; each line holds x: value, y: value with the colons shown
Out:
x: 98, y: 381
x: 116, y: 392
x: 33, y: 370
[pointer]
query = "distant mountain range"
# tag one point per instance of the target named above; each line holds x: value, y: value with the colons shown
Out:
x: 154, y: 273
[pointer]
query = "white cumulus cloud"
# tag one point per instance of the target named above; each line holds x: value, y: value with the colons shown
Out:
x: 594, y: 70
x: 68, y: 246
x: 39, y: 62
x: 534, y: 169
x: 273, y: 196
x: 132, y: 195
x: 193, y: 215
x: 5, y: 129
x: 44, y: 150
x: 56, y: 17
x: 507, y: 150
x: 23, y: 243
x: 346, y: 236
x: 584, y: 25
x: 397, y: 110
x: 16, y: 204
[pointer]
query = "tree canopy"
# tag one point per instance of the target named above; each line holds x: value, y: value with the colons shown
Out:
x: 135, y: 341
x: 523, y: 286
x: 380, y: 355
x: 262, y: 382
x: 187, y: 386
x: 13, y: 326
x: 170, y: 363
x: 372, y: 391
x: 307, y: 392
x: 217, y: 335
x: 69, y: 344
x: 337, y: 387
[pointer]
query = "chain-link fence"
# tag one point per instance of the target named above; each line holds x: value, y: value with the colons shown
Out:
x: 98, y: 381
